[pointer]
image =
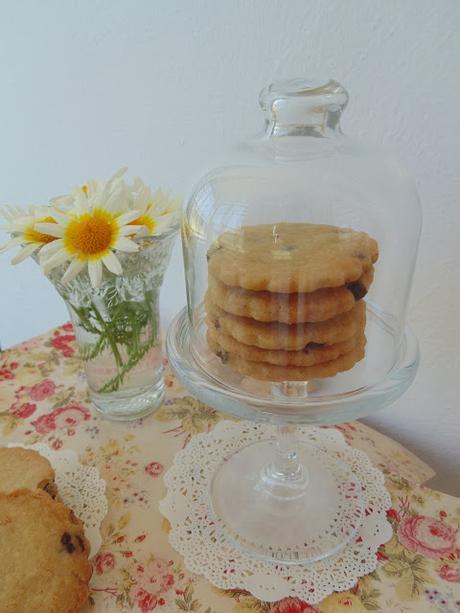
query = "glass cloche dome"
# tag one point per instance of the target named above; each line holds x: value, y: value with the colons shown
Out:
x: 299, y: 257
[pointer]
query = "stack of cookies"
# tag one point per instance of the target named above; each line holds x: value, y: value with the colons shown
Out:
x: 44, y: 554
x: 285, y: 301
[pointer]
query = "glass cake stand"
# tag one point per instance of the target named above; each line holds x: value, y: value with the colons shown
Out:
x: 282, y: 499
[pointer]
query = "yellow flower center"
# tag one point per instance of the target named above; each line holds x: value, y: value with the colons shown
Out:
x: 144, y: 220
x: 84, y: 189
x: 33, y: 236
x: 91, y: 235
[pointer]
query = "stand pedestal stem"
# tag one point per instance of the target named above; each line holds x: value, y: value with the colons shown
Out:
x: 286, y: 462
x: 285, y: 477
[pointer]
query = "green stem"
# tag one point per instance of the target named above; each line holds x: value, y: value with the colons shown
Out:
x: 150, y: 300
x: 89, y: 352
x: 113, y: 384
x: 124, y: 328
x: 111, y: 340
x: 85, y: 321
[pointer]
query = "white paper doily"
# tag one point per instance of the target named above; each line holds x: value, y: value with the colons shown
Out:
x: 196, y: 534
x: 80, y: 487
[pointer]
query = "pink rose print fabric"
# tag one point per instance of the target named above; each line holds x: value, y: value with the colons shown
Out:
x: 104, y: 562
x: 42, y: 390
x: 151, y: 580
x: 44, y: 398
x: 154, y: 469
x: 448, y: 573
x: 428, y: 536
x: 24, y: 410
x: 67, y: 417
x: 293, y: 605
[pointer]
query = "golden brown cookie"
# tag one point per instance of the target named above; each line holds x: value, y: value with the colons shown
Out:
x: 312, y: 354
x: 290, y: 308
x: 289, y: 337
x: 43, y: 555
x: 25, y: 468
x: 270, y: 372
x: 291, y: 257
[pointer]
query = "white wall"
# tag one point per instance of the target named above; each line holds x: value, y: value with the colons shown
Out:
x: 162, y: 85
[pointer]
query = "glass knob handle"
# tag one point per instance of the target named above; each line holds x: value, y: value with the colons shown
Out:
x: 303, y: 107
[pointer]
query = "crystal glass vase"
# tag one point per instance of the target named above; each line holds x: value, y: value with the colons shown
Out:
x: 299, y: 255
x: 117, y: 327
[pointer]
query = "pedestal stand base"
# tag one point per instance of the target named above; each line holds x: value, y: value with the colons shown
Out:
x: 269, y: 519
x: 233, y: 523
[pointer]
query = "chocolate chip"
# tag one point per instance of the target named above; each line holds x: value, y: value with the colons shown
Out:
x: 357, y: 289
x: 51, y: 489
x: 216, y: 324
x: 312, y: 345
x: 66, y: 540
x: 360, y: 256
x: 223, y: 355
x: 212, y: 251
x: 80, y: 542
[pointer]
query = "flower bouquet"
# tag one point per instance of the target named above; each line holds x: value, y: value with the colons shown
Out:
x: 105, y: 246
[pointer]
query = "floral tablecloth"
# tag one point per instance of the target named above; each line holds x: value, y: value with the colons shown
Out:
x: 43, y: 398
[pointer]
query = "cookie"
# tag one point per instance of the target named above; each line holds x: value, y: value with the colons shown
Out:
x: 289, y: 337
x: 290, y: 308
x: 291, y: 257
x: 25, y: 468
x: 310, y: 355
x: 271, y: 372
x: 43, y: 555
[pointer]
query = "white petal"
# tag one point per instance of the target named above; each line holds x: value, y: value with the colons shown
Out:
x: 48, y: 249
x: 16, y: 209
x: 10, y: 212
x: 118, y: 174
x: 61, y: 218
x: 81, y: 202
x: 25, y: 252
x: 112, y: 263
x: 137, y: 184
x: 56, y: 259
x: 145, y: 195
x: 125, y: 218
x: 126, y: 230
x: 11, y: 243
x: 109, y: 189
x: 19, y: 224
x: 95, y: 272
x: 114, y: 202
x: 40, y: 210
x: 52, y: 229
x: 62, y: 200
x: 140, y: 202
x: 115, y: 181
x: 6, y: 213
x: 72, y: 271
x: 93, y: 187
x: 125, y: 244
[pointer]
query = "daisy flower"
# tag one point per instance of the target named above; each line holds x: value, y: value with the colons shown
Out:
x: 89, y: 232
x: 92, y: 188
x: 21, y: 226
x: 156, y: 211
